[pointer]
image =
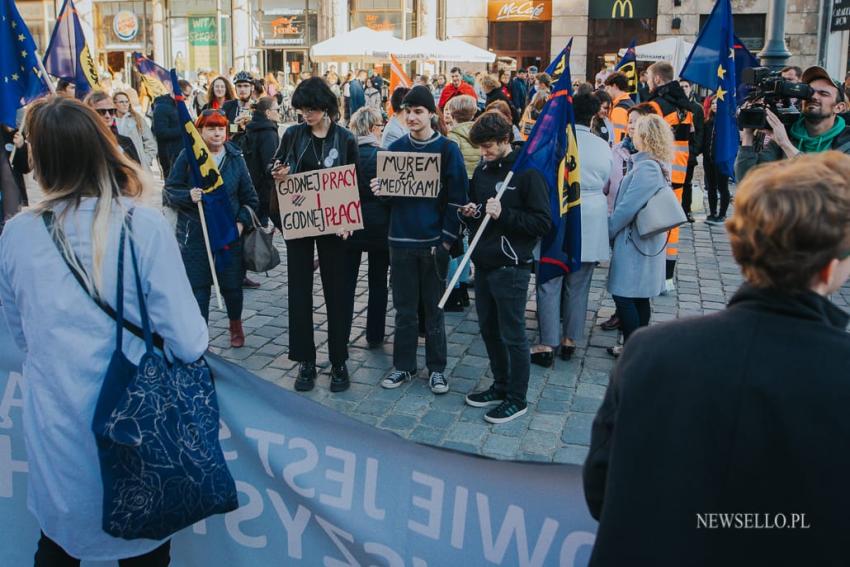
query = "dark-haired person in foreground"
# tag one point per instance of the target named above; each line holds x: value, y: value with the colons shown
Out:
x: 316, y: 143
x: 756, y: 433
x: 503, y: 260
x: 422, y: 231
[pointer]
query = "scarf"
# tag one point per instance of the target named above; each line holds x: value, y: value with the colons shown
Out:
x: 814, y: 144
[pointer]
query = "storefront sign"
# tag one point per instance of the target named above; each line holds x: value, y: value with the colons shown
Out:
x: 623, y: 9
x: 379, y: 21
x: 519, y: 10
x: 840, y: 15
x: 203, y: 32
x: 125, y: 25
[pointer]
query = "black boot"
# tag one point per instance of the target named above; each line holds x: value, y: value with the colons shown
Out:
x: 306, y: 380
x: 339, y: 378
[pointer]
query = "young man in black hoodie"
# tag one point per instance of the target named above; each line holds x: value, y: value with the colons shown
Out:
x: 503, y: 261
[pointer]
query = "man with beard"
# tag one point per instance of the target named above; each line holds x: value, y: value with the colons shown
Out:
x: 820, y: 128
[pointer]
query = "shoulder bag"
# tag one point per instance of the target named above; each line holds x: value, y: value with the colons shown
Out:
x: 156, y: 428
x: 258, y: 251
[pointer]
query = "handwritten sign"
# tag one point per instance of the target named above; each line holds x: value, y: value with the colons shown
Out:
x: 408, y: 174
x: 319, y: 202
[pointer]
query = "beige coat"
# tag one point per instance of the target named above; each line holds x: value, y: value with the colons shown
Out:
x: 471, y: 155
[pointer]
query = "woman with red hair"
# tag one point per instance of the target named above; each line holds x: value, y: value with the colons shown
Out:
x: 180, y: 195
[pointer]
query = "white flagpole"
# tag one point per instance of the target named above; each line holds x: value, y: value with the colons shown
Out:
x: 465, y: 260
x: 209, y: 254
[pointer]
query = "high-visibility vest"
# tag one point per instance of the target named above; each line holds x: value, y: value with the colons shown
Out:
x: 681, y: 120
x: 619, y: 116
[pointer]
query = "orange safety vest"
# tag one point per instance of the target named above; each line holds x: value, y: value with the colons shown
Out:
x: 619, y: 116
x: 681, y: 120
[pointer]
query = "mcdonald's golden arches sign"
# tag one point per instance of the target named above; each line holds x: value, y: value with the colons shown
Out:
x: 623, y: 9
x: 519, y: 10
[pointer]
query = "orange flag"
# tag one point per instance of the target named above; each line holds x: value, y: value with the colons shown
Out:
x: 398, y: 78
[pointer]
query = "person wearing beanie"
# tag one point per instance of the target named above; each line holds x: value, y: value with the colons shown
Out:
x: 422, y: 232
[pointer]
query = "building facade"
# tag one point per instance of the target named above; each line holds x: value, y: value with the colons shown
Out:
x: 276, y: 35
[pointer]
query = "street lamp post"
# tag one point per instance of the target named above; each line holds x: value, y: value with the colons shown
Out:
x: 775, y: 53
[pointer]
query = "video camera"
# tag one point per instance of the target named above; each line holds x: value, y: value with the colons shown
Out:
x: 770, y: 90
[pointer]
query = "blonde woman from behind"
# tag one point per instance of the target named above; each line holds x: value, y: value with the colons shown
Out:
x: 637, y: 264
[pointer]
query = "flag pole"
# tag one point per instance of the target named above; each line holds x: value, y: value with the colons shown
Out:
x: 44, y: 72
x: 465, y: 260
x: 209, y: 254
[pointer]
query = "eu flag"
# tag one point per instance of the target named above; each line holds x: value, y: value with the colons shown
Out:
x: 551, y: 150
x: 743, y: 59
x: 68, y: 56
x: 221, y: 224
x: 628, y: 67
x: 21, y: 80
x: 155, y: 78
x: 712, y: 64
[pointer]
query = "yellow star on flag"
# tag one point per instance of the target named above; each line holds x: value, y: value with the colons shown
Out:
x: 720, y: 93
x: 721, y: 72
x: 14, y: 24
x: 22, y: 37
x: 23, y: 53
x: 14, y: 76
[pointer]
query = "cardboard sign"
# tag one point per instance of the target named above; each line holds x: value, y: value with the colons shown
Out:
x: 408, y: 174
x: 319, y: 202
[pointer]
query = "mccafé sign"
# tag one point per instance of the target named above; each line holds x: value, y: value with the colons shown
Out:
x: 519, y: 10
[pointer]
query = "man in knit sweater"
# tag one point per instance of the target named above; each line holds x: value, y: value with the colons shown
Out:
x: 422, y: 231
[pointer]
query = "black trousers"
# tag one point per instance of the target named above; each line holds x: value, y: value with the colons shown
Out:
x: 50, y: 554
x: 233, y: 300
x: 634, y: 313
x: 419, y: 276
x: 500, y: 298
x: 716, y: 183
x: 331, y: 249
x: 688, y: 187
x: 376, y: 312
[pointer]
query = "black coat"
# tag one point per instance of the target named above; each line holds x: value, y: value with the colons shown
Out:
x: 20, y: 163
x: 167, y: 128
x: 190, y: 237
x: 741, y: 411
x: 259, y: 145
x: 375, y: 211
x: 695, y: 142
x: 525, y: 218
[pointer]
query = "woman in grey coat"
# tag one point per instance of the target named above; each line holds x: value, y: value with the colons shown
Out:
x: 637, y: 264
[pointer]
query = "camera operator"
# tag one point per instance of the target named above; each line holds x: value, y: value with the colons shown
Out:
x: 817, y: 130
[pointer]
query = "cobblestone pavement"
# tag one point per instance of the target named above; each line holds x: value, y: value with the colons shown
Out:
x: 562, y: 400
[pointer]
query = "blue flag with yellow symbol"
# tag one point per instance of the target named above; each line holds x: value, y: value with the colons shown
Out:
x: 157, y: 80
x: 68, y: 56
x: 743, y: 59
x: 712, y: 65
x: 21, y: 80
x: 551, y: 150
x: 221, y: 222
x: 628, y: 67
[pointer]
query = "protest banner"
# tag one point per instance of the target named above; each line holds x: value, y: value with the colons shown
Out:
x: 408, y: 174
x: 325, y: 201
x: 317, y: 487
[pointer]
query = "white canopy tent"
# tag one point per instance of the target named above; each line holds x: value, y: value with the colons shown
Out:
x: 456, y: 50
x: 361, y: 44
x: 674, y: 50
x: 462, y: 52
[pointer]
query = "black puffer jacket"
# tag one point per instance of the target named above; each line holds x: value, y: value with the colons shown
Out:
x: 376, y: 211
x: 259, y: 145
x: 525, y: 219
x: 167, y: 128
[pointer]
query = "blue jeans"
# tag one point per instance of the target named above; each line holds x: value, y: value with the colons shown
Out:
x: 500, y: 298
x: 419, y: 273
x: 634, y: 313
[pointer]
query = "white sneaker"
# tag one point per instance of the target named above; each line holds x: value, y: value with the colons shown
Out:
x: 669, y: 287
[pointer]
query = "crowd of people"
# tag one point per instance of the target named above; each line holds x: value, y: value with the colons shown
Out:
x: 92, y: 158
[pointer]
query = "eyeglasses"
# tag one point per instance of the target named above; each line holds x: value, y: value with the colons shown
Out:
x: 213, y: 112
x: 105, y: 111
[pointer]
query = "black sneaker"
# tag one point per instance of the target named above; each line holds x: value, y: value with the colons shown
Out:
x: 716, y: 220
x: 396, y: 379
x: 710, y: 218
x: 306, y: 380
x: 438, y: 383
x: 339, y: 378
x: 506, y: 411
x: 489, y: 397
x: 690, y: 217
